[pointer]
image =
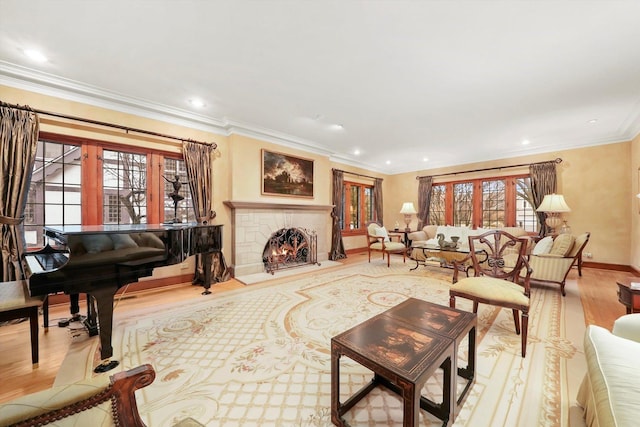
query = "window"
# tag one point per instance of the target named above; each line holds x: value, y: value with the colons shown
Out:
x: 463, y: 204
x: 125, y: 177
x: 493, y: 204
x: 358, y: 206
x: 118, y: 187
x: 486, y: 202
x: 54, y: 194
x: 525, y: 213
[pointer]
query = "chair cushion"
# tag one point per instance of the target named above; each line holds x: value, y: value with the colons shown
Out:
x: 562, y: 244
x: 382, y: 232
x: 543, y: 246
x: 389, y: 246
x: 491, y: 288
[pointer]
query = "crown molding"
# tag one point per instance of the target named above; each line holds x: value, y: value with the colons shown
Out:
x: 47, y: 84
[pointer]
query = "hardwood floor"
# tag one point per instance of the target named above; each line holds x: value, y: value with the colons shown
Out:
x: 597, y: 290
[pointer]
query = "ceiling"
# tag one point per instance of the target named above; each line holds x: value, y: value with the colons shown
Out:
x: 453, y: 82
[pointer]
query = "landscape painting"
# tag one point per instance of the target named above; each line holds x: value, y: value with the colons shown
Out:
x: 284, y: 175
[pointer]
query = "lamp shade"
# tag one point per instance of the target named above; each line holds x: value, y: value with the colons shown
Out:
x: 408, y: 208
x: 553, y: 203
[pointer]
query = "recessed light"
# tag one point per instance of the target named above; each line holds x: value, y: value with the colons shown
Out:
x: 525, y: 142
x: 35, y: 55
x: 198, y: 103
x: 425, y: 159
x: 356, y: 152
x: 336, y: 127
x: 388, y: 162
x: 593, y: 121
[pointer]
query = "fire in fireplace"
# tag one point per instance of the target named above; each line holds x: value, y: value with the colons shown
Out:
x: 290, y: 247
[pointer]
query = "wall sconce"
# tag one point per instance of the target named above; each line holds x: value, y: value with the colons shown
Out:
x: 553, y: 205
x: 408, y: 209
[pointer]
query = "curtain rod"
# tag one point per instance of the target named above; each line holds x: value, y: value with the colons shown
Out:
x: 356, y: 174
x: 112, y: 125
x: 557, y: 160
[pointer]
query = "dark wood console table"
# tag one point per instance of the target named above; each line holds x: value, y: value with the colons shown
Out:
x: 627, y: 296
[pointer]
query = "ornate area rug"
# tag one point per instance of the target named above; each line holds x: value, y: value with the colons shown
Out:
x: 260, y: 356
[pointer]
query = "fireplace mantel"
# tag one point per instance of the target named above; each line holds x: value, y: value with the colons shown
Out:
x: 252, y: 223
x: 234, y: 204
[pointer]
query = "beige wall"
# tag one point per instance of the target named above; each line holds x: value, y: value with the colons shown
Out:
x: 599, y: 183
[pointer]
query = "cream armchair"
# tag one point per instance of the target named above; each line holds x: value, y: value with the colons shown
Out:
x: 378, y: 240
x: 554, y: 267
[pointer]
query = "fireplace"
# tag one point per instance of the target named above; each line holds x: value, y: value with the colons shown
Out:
x: 254, y: 223
x: 290, y: 247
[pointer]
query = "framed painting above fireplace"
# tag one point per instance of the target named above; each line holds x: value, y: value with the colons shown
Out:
x: 286, y: 175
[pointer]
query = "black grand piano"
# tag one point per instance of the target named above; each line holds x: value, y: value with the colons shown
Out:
x: 98, y: 260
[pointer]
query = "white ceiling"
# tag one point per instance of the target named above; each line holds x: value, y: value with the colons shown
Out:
x: 453, y: 81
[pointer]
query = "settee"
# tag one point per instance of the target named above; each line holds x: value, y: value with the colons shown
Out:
x: 429, y: 236
x: 100, y: 401
x: 610, y: 391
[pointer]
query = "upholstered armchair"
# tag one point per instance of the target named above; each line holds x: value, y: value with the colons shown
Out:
x: 552, y: 263
x: 379, y: 241
x: 99, y: 401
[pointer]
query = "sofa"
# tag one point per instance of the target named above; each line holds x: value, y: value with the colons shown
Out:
x: 610, y: 391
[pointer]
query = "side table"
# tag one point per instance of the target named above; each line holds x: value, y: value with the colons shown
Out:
x: 626, y: 295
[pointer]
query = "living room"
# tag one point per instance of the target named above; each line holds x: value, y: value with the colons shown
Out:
x: 599, y: 181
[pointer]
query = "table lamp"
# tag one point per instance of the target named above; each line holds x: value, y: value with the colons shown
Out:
x: 553, y: 205
x: 408, y: 209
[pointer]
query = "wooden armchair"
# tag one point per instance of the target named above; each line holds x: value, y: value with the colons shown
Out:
x: 99, y: 401
x: 496, y: 277
x: 378, y: 240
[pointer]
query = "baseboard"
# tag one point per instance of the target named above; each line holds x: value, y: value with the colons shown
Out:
x: 605, y: 266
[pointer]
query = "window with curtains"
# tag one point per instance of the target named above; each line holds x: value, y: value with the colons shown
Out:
x: 114, y: 189
x: 358, y: 206
x: 485, y: 202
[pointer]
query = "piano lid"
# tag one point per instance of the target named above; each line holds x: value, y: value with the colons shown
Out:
x: 118, y: 228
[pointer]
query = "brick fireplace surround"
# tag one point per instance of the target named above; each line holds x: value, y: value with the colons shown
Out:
x: 252, y: 223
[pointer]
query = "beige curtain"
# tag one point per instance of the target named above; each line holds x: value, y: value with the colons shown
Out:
x: 198, y: 161
x: 543, y: 182
x: 424, y: 200
x: 377, y: 200
x: 337, y: 246
x: 19, y: 137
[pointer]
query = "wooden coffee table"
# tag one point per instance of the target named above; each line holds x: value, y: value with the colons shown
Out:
x: 404, y: 346
x: 451, y: 323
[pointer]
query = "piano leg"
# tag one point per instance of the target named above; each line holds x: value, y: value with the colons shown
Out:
x: 103, y: 297
x: 207, y: 259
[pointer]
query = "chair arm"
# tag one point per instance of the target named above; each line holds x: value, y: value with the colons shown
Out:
x: 417, y: 236
x: 549, y: 267
x: 628, y: 326
x: 101, y: 400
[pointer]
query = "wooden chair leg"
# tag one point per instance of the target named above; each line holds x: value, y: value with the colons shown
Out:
x: 525, y: 328
x: 516, y: 320
x: 475, y: 306
x: 388, y: 259
x: 452, y: 301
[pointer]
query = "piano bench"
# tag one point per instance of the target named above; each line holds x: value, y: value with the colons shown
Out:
x: 16, y: 303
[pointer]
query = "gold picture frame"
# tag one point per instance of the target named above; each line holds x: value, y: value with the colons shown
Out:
x: 286, y: 175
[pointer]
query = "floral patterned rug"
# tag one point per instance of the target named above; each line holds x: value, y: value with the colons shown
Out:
x: 260, y: 356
